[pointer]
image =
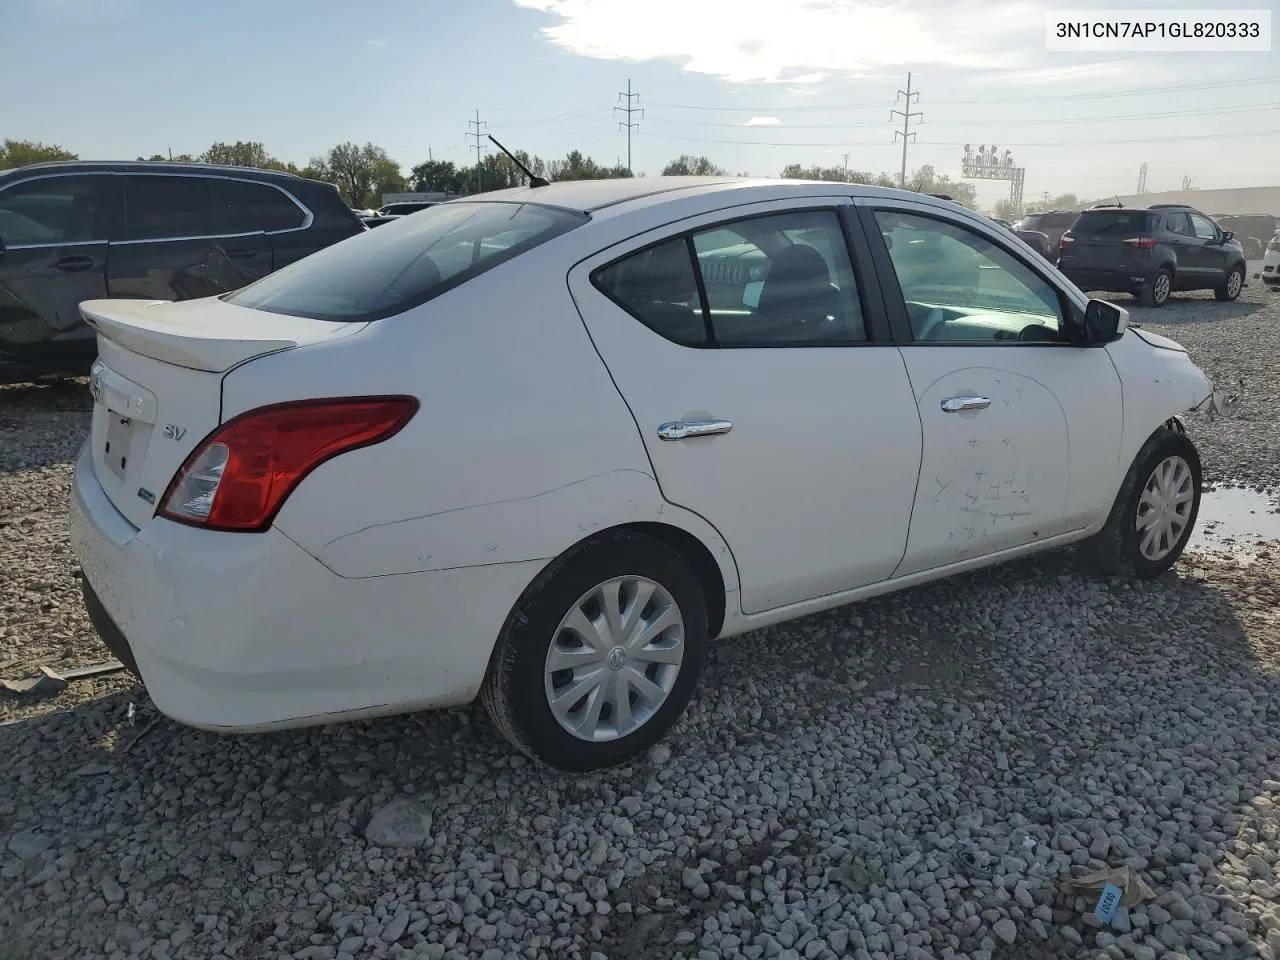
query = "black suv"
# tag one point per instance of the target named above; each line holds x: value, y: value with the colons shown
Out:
x: 1052, y: 223
x: 77, y: 231
x: 1152, y: 252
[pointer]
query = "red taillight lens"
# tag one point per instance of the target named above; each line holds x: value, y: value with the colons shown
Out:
x: 241, y: 474
x: 1142, y: 243
x: 1067, y: 240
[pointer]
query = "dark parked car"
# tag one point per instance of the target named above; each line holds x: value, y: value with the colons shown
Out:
x: 1053, y: 224
x: 78, y: 231
x: 404, y: 207
x: 379, y: 220
x: 1152, y: 252
x: 1036, y: 240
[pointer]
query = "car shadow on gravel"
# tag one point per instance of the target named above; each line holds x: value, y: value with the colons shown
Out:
x: 1047, y: 719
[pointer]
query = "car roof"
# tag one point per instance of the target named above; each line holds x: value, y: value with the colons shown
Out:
x: 624, y: 195
x: 147, y: 166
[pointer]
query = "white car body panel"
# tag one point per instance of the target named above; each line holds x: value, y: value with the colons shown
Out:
x: 389, y: 572
x: 1271, y: 265
x: 802, y: 443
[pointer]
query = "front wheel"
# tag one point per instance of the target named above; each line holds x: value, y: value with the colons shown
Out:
x: 1154, y: 513
x: 601, y: 655
x: 1232, y: 286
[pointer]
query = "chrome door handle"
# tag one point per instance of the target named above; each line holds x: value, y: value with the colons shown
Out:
x: 682, y: 429
x: 957, y: 404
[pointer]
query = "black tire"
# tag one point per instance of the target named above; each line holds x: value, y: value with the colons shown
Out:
x: 514, y: 693
x: 1223, y: 292
x: 1155, y: 292
x: 1116, y: 549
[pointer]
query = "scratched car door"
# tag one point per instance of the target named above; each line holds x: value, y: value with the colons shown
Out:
x: 1019, y: 427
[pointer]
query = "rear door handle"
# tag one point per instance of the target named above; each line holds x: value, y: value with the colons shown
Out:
x: 959, y: 404
x: 74, y: 264
x: 683, y: 429
x: 241, y: 254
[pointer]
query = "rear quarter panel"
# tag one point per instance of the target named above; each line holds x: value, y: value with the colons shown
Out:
x: 522, y: 446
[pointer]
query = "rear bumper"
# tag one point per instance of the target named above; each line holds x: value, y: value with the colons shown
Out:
x: 1110, y: 280
x: 246, y: 632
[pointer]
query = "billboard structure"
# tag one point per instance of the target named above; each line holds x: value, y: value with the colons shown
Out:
x: 987, y: 164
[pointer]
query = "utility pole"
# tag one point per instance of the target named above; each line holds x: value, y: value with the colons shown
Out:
x: 629, y: 99
x: 478, y: 133
x: 907, y: 136
x: 846, y: 163
x: 1045, y: 194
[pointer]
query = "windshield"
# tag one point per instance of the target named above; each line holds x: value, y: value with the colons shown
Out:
x: 1095, y: 223
x: 383, y: 272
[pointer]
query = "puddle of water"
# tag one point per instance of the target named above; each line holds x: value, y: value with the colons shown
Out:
x: 1238, y: 520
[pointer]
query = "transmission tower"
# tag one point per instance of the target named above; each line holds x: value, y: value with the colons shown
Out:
x: 989, y: 164
x: 1186, y: 183
x: 478, y: 133
x: 1142, y: 178
x: 907, y: 136
x: 630, y: 99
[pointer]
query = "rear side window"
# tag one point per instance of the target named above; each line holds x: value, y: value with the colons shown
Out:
x: 659, y: 288
x: 240, y: 206
x: 167, y: 208
x: 1117, y: 223
x: 379, y: 273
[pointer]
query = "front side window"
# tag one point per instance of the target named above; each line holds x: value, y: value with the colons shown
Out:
x: 167, y: 207
x: 379, y: 273
x: 1204, y: 227
x: 779, y: 280
x: 52, y: 210
x: 960, y: 286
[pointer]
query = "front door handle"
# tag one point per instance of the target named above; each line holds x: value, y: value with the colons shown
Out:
x: 74, y: 264
x: 241, y: 254
x: 682, y: 429
x: 958, y: 404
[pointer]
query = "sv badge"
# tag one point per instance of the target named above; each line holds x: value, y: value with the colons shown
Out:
x: 174, y: 432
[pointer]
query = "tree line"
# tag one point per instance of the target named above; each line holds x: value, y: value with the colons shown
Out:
x: 363, y: 173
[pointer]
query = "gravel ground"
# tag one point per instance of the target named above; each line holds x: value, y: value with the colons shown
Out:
x: 916, y: 776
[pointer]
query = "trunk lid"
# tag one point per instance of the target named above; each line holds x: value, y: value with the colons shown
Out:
x: 157, y: 384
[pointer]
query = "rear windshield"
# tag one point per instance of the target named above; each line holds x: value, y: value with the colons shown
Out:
x: 1093, y: 223
x: 386, y: 271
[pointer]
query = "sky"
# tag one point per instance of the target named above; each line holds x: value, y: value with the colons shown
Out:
x: 752, y: 85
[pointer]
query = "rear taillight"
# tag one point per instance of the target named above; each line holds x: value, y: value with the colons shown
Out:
x: 241, y: 474
x: 1067, y: 240
x: 1142, y: 243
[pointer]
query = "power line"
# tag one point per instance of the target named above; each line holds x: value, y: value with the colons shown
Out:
x: 1216, y: 111
x: 478, y: 134
x: 906, y: 114
x: 1142, y: 91
x: 960, y: 143
x: 627, y: 111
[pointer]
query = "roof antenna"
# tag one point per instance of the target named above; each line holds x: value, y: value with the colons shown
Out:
x: 534, y: 181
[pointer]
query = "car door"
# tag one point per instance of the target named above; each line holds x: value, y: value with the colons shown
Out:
x: 172, y: 249
x: 1214, y: 256
x: 781, y: 413
x: 1021, y: 429
x: 55, y: 230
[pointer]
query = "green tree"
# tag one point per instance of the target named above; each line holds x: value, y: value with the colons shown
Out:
x: 20, y: 153
x: 836, y: 175
x: 434, y: 176
x: 927, y: 180
x: 1063, y: 201
x: 1006, y: 209
x: 241, y: 154
x: 361, y: 174
x: 687, y: 165
x: 165, y: 158
x: 577, y: 166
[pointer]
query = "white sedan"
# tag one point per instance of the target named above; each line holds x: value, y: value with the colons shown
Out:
x: 1271, y: 263
x: 543, y: 445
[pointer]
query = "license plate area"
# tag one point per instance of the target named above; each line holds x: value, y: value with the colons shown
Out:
x: 116, y: 446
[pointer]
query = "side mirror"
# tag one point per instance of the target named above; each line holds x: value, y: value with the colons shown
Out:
x: 1228, y: 236
x: 1104, y: 322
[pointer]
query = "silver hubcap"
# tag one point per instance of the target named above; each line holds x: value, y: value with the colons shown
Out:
x: 1164, y: 509
x: 1233, y: 284
x: 1162, y: 287
x: 614, y: 659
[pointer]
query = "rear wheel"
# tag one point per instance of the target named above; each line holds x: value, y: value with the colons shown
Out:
x: 1154, y: 513
x: 1155, y: 292
x: 601, y: 655
x: 1232, y: 286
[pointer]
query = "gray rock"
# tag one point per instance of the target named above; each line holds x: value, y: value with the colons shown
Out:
x: 112, y: 892
x: 28, y: 846
x: 1005, y: 929
x: 401, y: 823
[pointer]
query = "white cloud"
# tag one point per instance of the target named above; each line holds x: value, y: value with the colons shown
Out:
x: 762, y: 122
x: 374, y: 43
x: 797, y: 41
x: 1106, y: 70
